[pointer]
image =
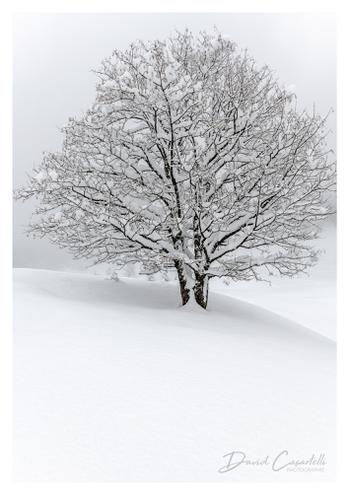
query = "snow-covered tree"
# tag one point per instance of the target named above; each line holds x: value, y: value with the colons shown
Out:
x: 190, y: 159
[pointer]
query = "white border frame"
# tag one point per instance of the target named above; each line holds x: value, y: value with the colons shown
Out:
x: 342, y: 484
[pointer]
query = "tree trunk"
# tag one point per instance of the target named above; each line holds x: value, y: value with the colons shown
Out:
x: 200, y: 289
x: 184, y: 290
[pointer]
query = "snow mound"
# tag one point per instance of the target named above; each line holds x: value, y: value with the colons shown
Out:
x: 114, y: 382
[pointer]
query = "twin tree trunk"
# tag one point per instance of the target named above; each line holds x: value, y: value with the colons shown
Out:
x: 200, y: 288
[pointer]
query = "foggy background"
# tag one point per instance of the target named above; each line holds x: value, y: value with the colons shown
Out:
x: 55, y: 53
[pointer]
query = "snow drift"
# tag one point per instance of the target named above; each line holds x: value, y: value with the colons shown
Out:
x: 113, y: 382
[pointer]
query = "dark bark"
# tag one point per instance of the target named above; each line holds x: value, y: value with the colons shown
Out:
x: 184, y: 290
x: 200, y: 290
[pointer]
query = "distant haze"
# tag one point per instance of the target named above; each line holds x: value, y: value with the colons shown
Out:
x: 54, y: 55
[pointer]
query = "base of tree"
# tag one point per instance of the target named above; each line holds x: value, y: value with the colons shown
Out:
x: 200, y: 292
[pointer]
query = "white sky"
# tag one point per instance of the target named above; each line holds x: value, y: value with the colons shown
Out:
x: 54, y: 55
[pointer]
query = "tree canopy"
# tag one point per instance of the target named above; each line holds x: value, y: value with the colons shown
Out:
x: 192, y: 158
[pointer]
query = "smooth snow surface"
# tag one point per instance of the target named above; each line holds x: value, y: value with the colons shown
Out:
x: 114, y: 382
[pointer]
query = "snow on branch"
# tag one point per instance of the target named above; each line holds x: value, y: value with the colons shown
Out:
x: 190, y: 156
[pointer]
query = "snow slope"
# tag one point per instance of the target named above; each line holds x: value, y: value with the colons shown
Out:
x: 309, y: 301
x: 113, y: 382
